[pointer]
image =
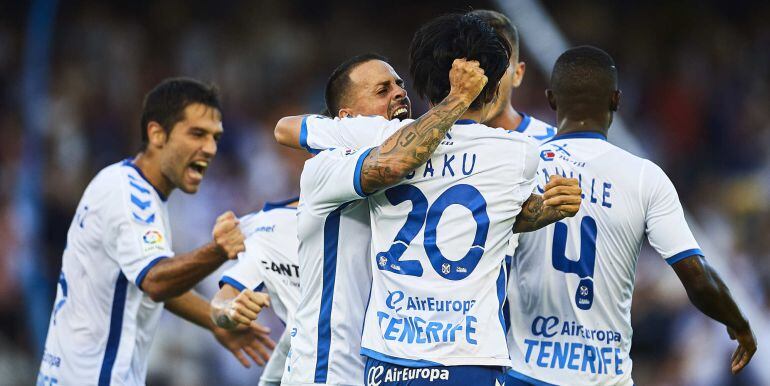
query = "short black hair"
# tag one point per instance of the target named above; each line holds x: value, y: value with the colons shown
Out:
x: 584, y: 74
x: 442, y: 40
x: 503, y: 26
x: 339, y: 82
x: 166, y: 102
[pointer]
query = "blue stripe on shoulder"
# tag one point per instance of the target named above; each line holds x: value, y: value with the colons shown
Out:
x: 116, y: 328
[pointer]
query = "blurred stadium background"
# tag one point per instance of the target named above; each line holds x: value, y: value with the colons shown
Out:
x: 695, y: 77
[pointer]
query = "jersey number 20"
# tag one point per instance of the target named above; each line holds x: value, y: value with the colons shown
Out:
x: 584, y: 266
x: 421, y: 213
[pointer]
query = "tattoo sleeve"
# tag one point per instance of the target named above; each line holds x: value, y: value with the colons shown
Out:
x: 535, y: 215
x: 411, y: 146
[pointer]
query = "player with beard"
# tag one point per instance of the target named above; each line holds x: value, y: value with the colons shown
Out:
x: 118, y: 269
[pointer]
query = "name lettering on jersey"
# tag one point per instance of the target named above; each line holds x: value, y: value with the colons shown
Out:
x: 418, y: 330
x: 265, y: 228
x: 550, y: 349
x: 450, y: 165
x: 379, y: 374
x: 599, y: 192
x: 290, y: 270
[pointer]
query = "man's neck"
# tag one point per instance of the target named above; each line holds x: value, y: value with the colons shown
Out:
x: 151, y: 170
x: 474, y: 115
x: 508, y: 119
x: 569, y: 126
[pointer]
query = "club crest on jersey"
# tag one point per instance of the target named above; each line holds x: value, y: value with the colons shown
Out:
x: 446, y: 268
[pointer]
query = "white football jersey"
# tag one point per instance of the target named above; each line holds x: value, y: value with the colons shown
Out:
x: 535, y: 128
x: 438, y: 247
x: 571, y: 282
x: 102, y: 323
x: 270, y: 260
x: 334, y: 243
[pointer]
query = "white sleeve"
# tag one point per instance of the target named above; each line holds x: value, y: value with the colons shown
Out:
x: 140, y: 241
x: 332, y: 178
x: 245, y: 273
x: 319, y: 133
x: 666, y: 227
x: 531, y: 157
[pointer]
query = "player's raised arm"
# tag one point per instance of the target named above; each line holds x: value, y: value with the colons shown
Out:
x: 173, y: 277
x: 413, y: 144
x: 560, y: 200
x: 711, y: 296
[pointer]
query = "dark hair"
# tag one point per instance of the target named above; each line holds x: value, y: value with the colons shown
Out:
x: 442, y: 40
x: 166, y: 102
x: 503, y: 26
x: 584, y: 74
x: 339, y: 82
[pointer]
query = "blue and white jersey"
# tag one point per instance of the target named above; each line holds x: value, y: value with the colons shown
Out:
x: 571, y: 282
x: 535, y: 128
x: 102, y: 323
x: 334, y: 238
x: 438, y: 245
x: 270, y: 263
x: 270, y: 260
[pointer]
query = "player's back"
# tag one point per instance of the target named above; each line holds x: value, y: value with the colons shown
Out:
x: 572, y: 281
x: 102, y: 324
x: 439, y: 242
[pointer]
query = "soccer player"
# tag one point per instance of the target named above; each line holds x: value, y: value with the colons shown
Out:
x: 503, y: 113
x: 118, y: 269
x: 334, y: 235
x: 270, y: 262
x: 574, y: 279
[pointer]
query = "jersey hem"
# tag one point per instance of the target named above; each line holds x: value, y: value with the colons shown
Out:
x: 522, y: 377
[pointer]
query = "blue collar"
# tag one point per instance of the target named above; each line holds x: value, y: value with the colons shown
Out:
x: 525, y: 119
x: 130, y: 163
x: 581, y: 134
x: 279, y: 204
x: 465, y: 122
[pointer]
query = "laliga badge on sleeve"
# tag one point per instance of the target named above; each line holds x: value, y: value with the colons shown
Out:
x: 153, y: 242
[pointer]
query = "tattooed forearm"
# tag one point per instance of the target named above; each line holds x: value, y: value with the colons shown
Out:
x: 411, y: 146
x: 535, y: 215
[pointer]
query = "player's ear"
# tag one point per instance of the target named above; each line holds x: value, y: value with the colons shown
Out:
x: 615, y: 100
x: 551, y: 99
x: 518, y: 74
x: 156, y: 134
x: 344, y: 113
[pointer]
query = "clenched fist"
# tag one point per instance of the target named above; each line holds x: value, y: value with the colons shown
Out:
x: 227, y: 236
x: 466, y: 79
x: 563, y: 195
x: 245, y: 307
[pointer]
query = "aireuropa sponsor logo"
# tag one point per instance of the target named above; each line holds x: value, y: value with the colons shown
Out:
x: 397, y: 301
x: 378, y: 374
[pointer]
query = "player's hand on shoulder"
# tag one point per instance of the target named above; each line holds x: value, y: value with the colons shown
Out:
x: 466, y: 79
x: 563, y: 194
x: 245, y: 307
x: 228, y: 236
x: 747, y: 346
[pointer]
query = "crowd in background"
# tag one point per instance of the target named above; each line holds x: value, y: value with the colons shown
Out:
x: 695, y: 78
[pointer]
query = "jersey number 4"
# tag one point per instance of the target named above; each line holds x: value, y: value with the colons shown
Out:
x: 584, y: 265
x: 423, y: 214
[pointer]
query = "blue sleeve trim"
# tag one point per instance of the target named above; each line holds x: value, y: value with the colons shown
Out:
x: 357, y: 174
x: 229, y: 280
x: 683, y: 255
x: 303, y: 137
x: 397, y: 361
x: 146, y: 269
